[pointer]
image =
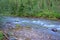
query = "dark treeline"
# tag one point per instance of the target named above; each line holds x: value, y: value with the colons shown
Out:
x: 37, y: 8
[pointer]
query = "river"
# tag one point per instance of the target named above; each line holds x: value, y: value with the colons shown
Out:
x: 38, y: 25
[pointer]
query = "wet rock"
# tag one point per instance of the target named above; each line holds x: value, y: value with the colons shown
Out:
x: 10, y: 33
x: 12, y: 38
x: 54, y: 30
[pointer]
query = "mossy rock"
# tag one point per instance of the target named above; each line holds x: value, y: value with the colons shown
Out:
x: 17, y: 25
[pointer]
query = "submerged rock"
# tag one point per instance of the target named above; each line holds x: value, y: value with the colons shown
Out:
x: 12, y: 38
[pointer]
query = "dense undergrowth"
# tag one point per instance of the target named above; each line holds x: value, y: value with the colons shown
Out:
x: 43, y: 14
x: 31, y: 8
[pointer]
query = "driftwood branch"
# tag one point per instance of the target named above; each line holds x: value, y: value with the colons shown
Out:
x: 5, y: 36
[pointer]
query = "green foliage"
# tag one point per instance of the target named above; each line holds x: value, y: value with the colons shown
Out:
x: 1, y: 36
x: 30, y: 8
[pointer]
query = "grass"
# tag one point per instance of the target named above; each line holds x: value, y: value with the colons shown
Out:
x: 1, y: 35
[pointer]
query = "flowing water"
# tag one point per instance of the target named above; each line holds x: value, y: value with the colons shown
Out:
x: 30, y: 28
